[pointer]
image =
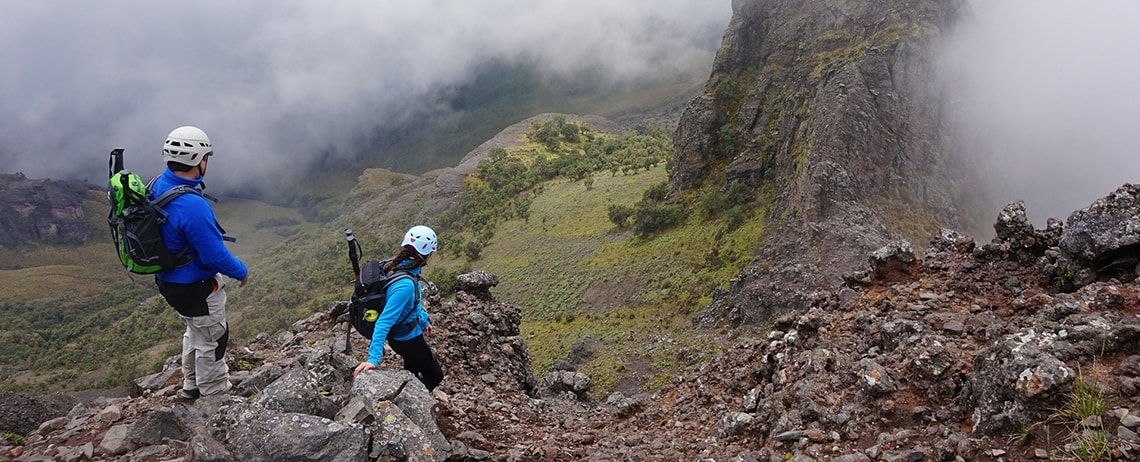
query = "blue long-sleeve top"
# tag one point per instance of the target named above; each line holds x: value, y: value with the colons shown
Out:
x: 400, y: 301
x: 191, y: 225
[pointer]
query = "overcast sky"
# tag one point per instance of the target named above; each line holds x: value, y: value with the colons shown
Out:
x: 272, y: 82
x: 1052, y: 89
x: 1050, y: 84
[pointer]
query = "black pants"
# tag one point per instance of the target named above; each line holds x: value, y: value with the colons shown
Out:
x: 419, y: 360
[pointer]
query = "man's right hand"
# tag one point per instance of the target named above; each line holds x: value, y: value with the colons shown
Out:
x: 244, y: 281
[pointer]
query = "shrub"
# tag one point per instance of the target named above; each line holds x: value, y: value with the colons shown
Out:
x: 656, y: 193
x: 650, y: 219
x: 619, y: 214
x: 14, y: 438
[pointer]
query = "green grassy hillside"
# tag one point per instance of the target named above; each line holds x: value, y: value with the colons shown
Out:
x: 582, y: 279
x: 577, y: 276
x: 75, y: 319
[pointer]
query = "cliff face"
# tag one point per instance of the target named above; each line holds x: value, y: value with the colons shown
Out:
x: 831, y: 113
x: 45, y: 211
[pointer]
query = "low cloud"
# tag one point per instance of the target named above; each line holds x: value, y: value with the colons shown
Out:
x: 277, y: 84
x: 1048, y: 99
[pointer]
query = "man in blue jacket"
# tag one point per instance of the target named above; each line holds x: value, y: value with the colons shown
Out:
x: 196, y: 289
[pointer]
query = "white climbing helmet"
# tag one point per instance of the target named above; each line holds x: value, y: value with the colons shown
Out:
x: 186, y: 145
x: 422, y: 239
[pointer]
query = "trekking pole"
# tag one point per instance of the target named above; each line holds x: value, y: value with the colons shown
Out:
x: 354, y: 257
x: 115, y: 164
x: 353, y: 252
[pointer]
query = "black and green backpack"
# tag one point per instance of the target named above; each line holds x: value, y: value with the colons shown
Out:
x: 369, y: 293
x: 136, y: 220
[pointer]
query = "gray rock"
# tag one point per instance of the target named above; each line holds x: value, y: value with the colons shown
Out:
x: 385, y: 388
x: 251, y: 433
x: 52, y: 425
x: 297, y: 391
x: 204, y: 448
x: 154, y: 382
x: 478, y: 283
x: 875, y: 379
x: 571, y: 381
x: 791, y: 435
x: 736, y: 423
x: 1011, y: 376
x: 1100, y: 240
x: 257, y: 380
x: 110, y: 414
x: 358, y: 409
x: 1126, y: 434
x: 152, y: 427
x: 115, y: 441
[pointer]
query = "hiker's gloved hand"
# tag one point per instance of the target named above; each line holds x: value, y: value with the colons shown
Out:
x: 363, y: 367
x: 243, y: 281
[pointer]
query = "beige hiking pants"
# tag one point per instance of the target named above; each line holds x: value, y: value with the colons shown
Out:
x: 204, y: 346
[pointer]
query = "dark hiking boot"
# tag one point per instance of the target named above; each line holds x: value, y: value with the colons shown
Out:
x: 191, y: 394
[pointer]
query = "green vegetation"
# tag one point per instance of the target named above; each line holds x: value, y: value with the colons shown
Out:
x: 293, y: 245
x: 575, y: 275
x: 551, y: 241
x: 75, y: 319
x: 502, y: 93
x: 14, y: 438
x: 73, y: 335
x: 1084, y: 403
x: 578, y: 269
x: 1086, y: 400
x: 504, y: 186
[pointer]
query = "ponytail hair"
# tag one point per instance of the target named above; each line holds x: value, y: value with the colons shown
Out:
x: 407, y: 253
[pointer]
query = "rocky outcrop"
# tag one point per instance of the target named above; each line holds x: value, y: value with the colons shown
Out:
x: 1103, y: 240
x: 42, y: 211
x: 830, y: 112
x: 294, y: 397
x: 966, y: 351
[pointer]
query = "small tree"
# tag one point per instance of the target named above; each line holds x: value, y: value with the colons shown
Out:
x: 571, y: 133
x: 619, y: 214
x: 650, y: 219
x: 498, y: 154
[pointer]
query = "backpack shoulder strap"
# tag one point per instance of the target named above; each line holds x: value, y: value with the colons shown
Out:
x: 179, y: 190
x: 171, y: 193
x: 401, y: 274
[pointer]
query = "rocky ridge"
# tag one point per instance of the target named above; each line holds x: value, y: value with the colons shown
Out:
x: 968, y: 352
x: 41, y: 211
x: 832, y: 113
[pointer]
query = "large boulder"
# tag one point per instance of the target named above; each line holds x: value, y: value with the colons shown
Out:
x: 1102, y: 240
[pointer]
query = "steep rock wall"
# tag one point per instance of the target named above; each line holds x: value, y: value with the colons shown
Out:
x: 41, y: 211
x: 832, y: 113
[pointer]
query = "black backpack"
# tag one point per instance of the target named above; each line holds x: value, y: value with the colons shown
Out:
x: 369, y: 293
x: 136, y: 220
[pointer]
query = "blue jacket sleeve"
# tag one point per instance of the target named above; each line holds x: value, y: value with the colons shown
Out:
x: 399, y: 295
x: 206, y: 239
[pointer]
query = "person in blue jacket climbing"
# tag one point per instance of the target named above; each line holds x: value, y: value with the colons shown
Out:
x: 402, y: 302
x: 196, y: 288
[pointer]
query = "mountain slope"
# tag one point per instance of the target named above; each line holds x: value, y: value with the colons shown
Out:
x: 968, y: 352
x: 833, y: 114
